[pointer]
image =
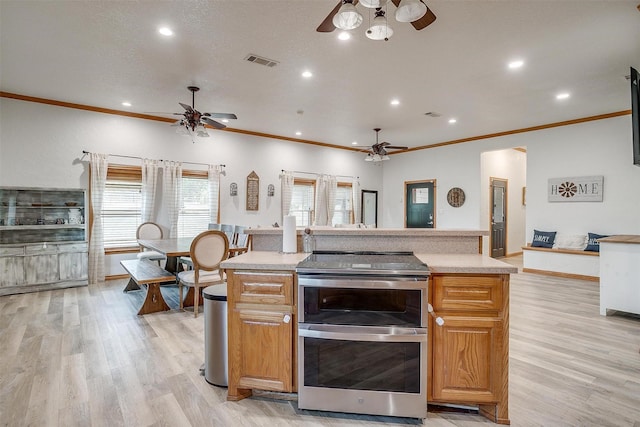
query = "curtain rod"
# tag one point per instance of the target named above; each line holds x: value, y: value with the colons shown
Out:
x: 140, y: 158
x: 318, y: 174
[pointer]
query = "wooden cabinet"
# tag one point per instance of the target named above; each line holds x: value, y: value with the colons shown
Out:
x: 262, y: 330
x: 43, y: 241
x: 469, y: 353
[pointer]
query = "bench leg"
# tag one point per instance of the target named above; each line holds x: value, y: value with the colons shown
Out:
x: 189, y: 298
x: 153, y: 301
x: 131, y: 286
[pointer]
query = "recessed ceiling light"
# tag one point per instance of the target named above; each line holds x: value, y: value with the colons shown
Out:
x: 452, y: 121
x: 395, y: 102
x: 344, y: 35
x: 306, y: 74
x: 298, y: 133
x: 165, y: 31
x: 563, y: 95
x: 126, y: 104
x: 354, y: 143
x: 516, y: 64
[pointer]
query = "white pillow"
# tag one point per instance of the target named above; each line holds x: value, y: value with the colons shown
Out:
x: 570, y: 241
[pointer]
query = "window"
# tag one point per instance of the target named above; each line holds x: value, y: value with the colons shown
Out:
x: 343, y: 211
x: 195, y: 214
x: 302, y: 201
x: 121, y: 207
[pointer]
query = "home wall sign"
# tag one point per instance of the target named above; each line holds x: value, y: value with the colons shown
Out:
x: 253, y: 191
x: 576, y: 189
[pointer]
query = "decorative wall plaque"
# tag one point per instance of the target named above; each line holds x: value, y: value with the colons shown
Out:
x: 253, y: 191
x: 456, y: 197
x: 576, y: 189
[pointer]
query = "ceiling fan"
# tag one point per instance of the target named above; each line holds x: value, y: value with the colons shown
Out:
x: 378, y: 151
x: 345, y: 16
x: 194, y: 121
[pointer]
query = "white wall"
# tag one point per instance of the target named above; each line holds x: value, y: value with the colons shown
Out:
x: 42, y: 145
x: 600, y: 147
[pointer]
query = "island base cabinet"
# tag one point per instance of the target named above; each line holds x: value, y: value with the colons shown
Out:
x: 469, y: 361
x: 261, y: 332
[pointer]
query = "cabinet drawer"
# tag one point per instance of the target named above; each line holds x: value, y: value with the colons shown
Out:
x: 73, y: 247
x: 263, y: 288
x: 460, y: 292
x: 11, y: 251
x: 40, y: 249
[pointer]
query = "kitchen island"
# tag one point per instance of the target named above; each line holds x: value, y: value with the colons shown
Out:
x: 468, y: 355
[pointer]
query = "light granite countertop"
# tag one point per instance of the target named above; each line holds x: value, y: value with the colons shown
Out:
x: 438, y: 263
x: 339, y: 231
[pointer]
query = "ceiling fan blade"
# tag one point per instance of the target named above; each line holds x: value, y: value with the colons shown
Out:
x: 186, y: 107
x: 221, y: 115
x: 213, y: 123
x: 423, y: 22
x: 327, y: 25
x: 396, y: 147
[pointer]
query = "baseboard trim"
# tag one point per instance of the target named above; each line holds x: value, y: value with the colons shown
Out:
x: 560, y: 274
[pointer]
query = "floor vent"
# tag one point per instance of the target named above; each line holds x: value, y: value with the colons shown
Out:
x: 261, y: 60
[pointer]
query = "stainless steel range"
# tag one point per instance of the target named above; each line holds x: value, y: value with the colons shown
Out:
x: 362, y: 333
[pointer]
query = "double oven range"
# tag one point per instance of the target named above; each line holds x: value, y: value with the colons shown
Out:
x: 362, y: 333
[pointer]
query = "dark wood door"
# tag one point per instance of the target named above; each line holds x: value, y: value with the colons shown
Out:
x: 498, y: 217
x: 420, y: 200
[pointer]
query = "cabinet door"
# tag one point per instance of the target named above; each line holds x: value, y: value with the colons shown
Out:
x: 73, y: 262
x: 262, y: 349
x: 467, y: 359
x: 11, y: 271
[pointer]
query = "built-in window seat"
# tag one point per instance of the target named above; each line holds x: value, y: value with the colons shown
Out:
x: 572, y: 263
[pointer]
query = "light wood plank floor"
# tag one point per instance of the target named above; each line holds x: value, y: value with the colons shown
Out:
x: 82, y: 357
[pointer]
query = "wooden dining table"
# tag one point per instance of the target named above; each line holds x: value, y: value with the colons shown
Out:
x: 173, y: 249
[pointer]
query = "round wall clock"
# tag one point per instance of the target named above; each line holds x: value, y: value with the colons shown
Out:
x: 455, y: 197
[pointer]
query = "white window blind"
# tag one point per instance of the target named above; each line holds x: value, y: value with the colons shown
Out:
x: 194, y: 215
x: 121, y: 213
x: 343, y: 206
x: 302, y: 201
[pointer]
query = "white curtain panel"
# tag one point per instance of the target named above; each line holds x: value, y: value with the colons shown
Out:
x: 214, y: 192
x: 286, y: 187
x: 171, y: 181
x: 326, y: 188
x: 99, y: 165
x: 149, y: 185
x: 355, y: 200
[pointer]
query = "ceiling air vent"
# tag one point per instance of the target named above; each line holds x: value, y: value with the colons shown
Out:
x: 432, y: 114
x: 261, y: 60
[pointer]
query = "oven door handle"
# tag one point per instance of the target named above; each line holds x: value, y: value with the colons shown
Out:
x: 346, y: 333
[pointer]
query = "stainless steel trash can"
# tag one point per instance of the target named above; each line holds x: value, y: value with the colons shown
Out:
x: 215, y: 334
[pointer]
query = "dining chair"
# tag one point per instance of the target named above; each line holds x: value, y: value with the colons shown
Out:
x: 149, y: 231
x: 228, y: 229
x: 241, y: 240
x: 208, y: 250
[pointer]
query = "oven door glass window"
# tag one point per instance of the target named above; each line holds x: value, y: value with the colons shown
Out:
x: 368, y: 307
x: 362, y: 365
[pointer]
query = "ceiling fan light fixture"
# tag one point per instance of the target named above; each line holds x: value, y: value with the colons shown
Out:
x: 347, y: 17
x: 372, y: 4
x: 410, y: 10
x: 202, y: 131
x: 379, y: 29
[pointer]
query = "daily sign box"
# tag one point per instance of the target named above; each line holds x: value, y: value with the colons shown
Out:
x: 576, y: 189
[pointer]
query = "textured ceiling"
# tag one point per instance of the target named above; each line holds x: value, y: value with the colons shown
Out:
x: 101, y: 53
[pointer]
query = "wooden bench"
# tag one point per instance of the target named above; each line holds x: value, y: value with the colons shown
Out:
x: 145, y: 272
x: 571, y: 263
